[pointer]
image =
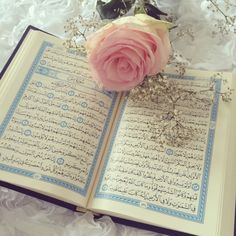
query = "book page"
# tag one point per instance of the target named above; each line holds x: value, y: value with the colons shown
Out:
x: 227, y: 216
x: 53, y: 121
x: 147, y: 180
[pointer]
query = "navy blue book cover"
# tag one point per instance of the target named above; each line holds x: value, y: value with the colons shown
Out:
x: 102, y: 191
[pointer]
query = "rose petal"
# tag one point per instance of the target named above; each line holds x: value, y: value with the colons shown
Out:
x: 124, y: 52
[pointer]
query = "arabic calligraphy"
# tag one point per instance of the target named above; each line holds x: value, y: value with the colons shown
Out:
x: 147, y: 169
x: 58, y: 123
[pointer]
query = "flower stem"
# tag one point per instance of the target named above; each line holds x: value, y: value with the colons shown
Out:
x: 225, y: 16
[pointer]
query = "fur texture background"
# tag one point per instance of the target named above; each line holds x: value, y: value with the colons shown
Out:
x: 22, y: 215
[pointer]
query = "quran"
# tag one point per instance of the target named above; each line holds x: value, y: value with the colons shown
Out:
x: 63, y: 137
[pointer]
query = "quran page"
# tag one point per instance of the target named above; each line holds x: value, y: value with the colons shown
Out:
x: 53, y: 121
x: 148, y: 179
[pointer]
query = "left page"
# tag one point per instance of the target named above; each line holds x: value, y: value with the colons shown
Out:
x: 53, y: 121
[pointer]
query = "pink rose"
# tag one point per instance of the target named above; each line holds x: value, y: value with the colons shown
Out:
x: 123, y: 52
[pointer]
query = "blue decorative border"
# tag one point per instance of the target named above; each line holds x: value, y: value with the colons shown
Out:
x: 199, y: 217
x: 23, y: 87
x: 8, y: 117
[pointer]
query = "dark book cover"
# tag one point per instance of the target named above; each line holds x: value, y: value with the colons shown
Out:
x: 65, y: 204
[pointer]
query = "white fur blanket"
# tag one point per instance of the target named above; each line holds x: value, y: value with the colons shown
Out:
x: 21, y: 215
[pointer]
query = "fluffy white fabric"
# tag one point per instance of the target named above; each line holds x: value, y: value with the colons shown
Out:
x: 22, y: 215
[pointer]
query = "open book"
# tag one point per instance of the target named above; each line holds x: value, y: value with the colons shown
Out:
x: 62, y: 136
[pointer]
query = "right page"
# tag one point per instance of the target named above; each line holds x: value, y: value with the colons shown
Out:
x: 170, y: 172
